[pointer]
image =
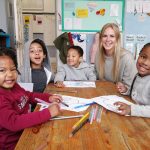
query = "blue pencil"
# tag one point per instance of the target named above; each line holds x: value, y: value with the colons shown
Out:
x: 80, y: 106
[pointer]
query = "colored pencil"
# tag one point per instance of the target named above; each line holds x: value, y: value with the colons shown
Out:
x: 85, y: 117
x: 78, y: 127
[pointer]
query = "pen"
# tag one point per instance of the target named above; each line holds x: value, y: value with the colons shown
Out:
x: 64, y: 103
x: 85, y: 117
x: 78, y: 127
x: 80, y: 106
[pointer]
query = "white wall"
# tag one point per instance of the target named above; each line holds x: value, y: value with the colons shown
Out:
x: 3, y: 16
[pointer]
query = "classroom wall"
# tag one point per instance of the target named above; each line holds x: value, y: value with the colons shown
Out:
x: 137, y: 22
x: 136, y: 28
x: 3, y: 16
x: 89, y: 36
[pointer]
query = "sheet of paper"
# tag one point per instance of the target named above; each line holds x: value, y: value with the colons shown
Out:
x: 108, y: 101
x: 130, y: 6
x: 73, y: 102
x: 79, y: 84
x: 114, y: 10
x: 68, y: 23
x: 26, y: 86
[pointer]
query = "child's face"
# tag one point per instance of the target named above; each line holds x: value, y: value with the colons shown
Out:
x: 143, y: 62
x: 36, y: 55
x: 73, y: 58
x: 8, y: 72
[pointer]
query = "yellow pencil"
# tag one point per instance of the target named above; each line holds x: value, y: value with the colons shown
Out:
x: 85, y: 117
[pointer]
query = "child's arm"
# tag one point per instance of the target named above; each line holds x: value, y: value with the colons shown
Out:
x: 15, y: 119
x: 44, y: 96
x: 134, y: 109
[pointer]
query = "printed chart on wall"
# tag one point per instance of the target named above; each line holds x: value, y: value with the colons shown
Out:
x: 136, y: 25
x: 90, y: 16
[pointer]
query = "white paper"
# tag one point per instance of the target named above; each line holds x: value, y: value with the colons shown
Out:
x: 77, y: 24
x: 72, y: 102
x: 108, y: 102
x: 114, y: 10
x: 146, y: 6
x: 79, y: 84
x: 130, y: 47
x: 139, y: 6
x: 130, y: 6
x: 27, y: 86
x: 68, y: 23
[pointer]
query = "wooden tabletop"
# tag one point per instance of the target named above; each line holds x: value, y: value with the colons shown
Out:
x: 114, y: 132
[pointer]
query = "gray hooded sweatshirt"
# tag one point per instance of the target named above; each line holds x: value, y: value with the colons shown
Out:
x: 82, y: 73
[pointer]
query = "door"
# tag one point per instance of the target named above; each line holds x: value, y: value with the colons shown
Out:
x: 15, y: 24
x: 18, y: 23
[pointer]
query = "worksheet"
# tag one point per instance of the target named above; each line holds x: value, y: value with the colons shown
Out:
x: 80, y: 84
x: 108, y: 102
x: 74, y: 103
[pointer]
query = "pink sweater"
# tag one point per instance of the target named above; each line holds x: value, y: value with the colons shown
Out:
x: 15, y: 114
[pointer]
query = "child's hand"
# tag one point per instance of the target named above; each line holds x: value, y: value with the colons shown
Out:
x: 123, y: 108
x: 54, y: 109
x: 55, y: 98
x: 121, y: 87
x: 59, y: 84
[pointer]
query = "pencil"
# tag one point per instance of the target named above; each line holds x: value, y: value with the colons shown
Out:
x: 67, y: 91
x: 78, y: 127
x: 66, y: 117
x: 85, y: 117
x: 64, y: 103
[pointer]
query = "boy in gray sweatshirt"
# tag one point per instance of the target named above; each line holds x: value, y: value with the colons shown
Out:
x: 75, y: 69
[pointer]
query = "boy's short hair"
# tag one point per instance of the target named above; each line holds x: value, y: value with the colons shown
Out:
x: 10, y: 52
x: 39, y: 41
x: 78, y: 49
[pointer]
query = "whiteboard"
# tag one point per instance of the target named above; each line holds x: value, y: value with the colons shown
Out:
x: 90, y: 16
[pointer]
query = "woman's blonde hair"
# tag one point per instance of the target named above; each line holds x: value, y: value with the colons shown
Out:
x: 117, y: 52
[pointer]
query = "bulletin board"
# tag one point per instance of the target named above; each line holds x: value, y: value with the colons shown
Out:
x: 90, y: 16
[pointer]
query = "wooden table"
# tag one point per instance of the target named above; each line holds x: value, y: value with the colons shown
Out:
x: 114, y: 132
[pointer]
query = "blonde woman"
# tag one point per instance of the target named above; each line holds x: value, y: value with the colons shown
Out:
x: 114, y: 63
